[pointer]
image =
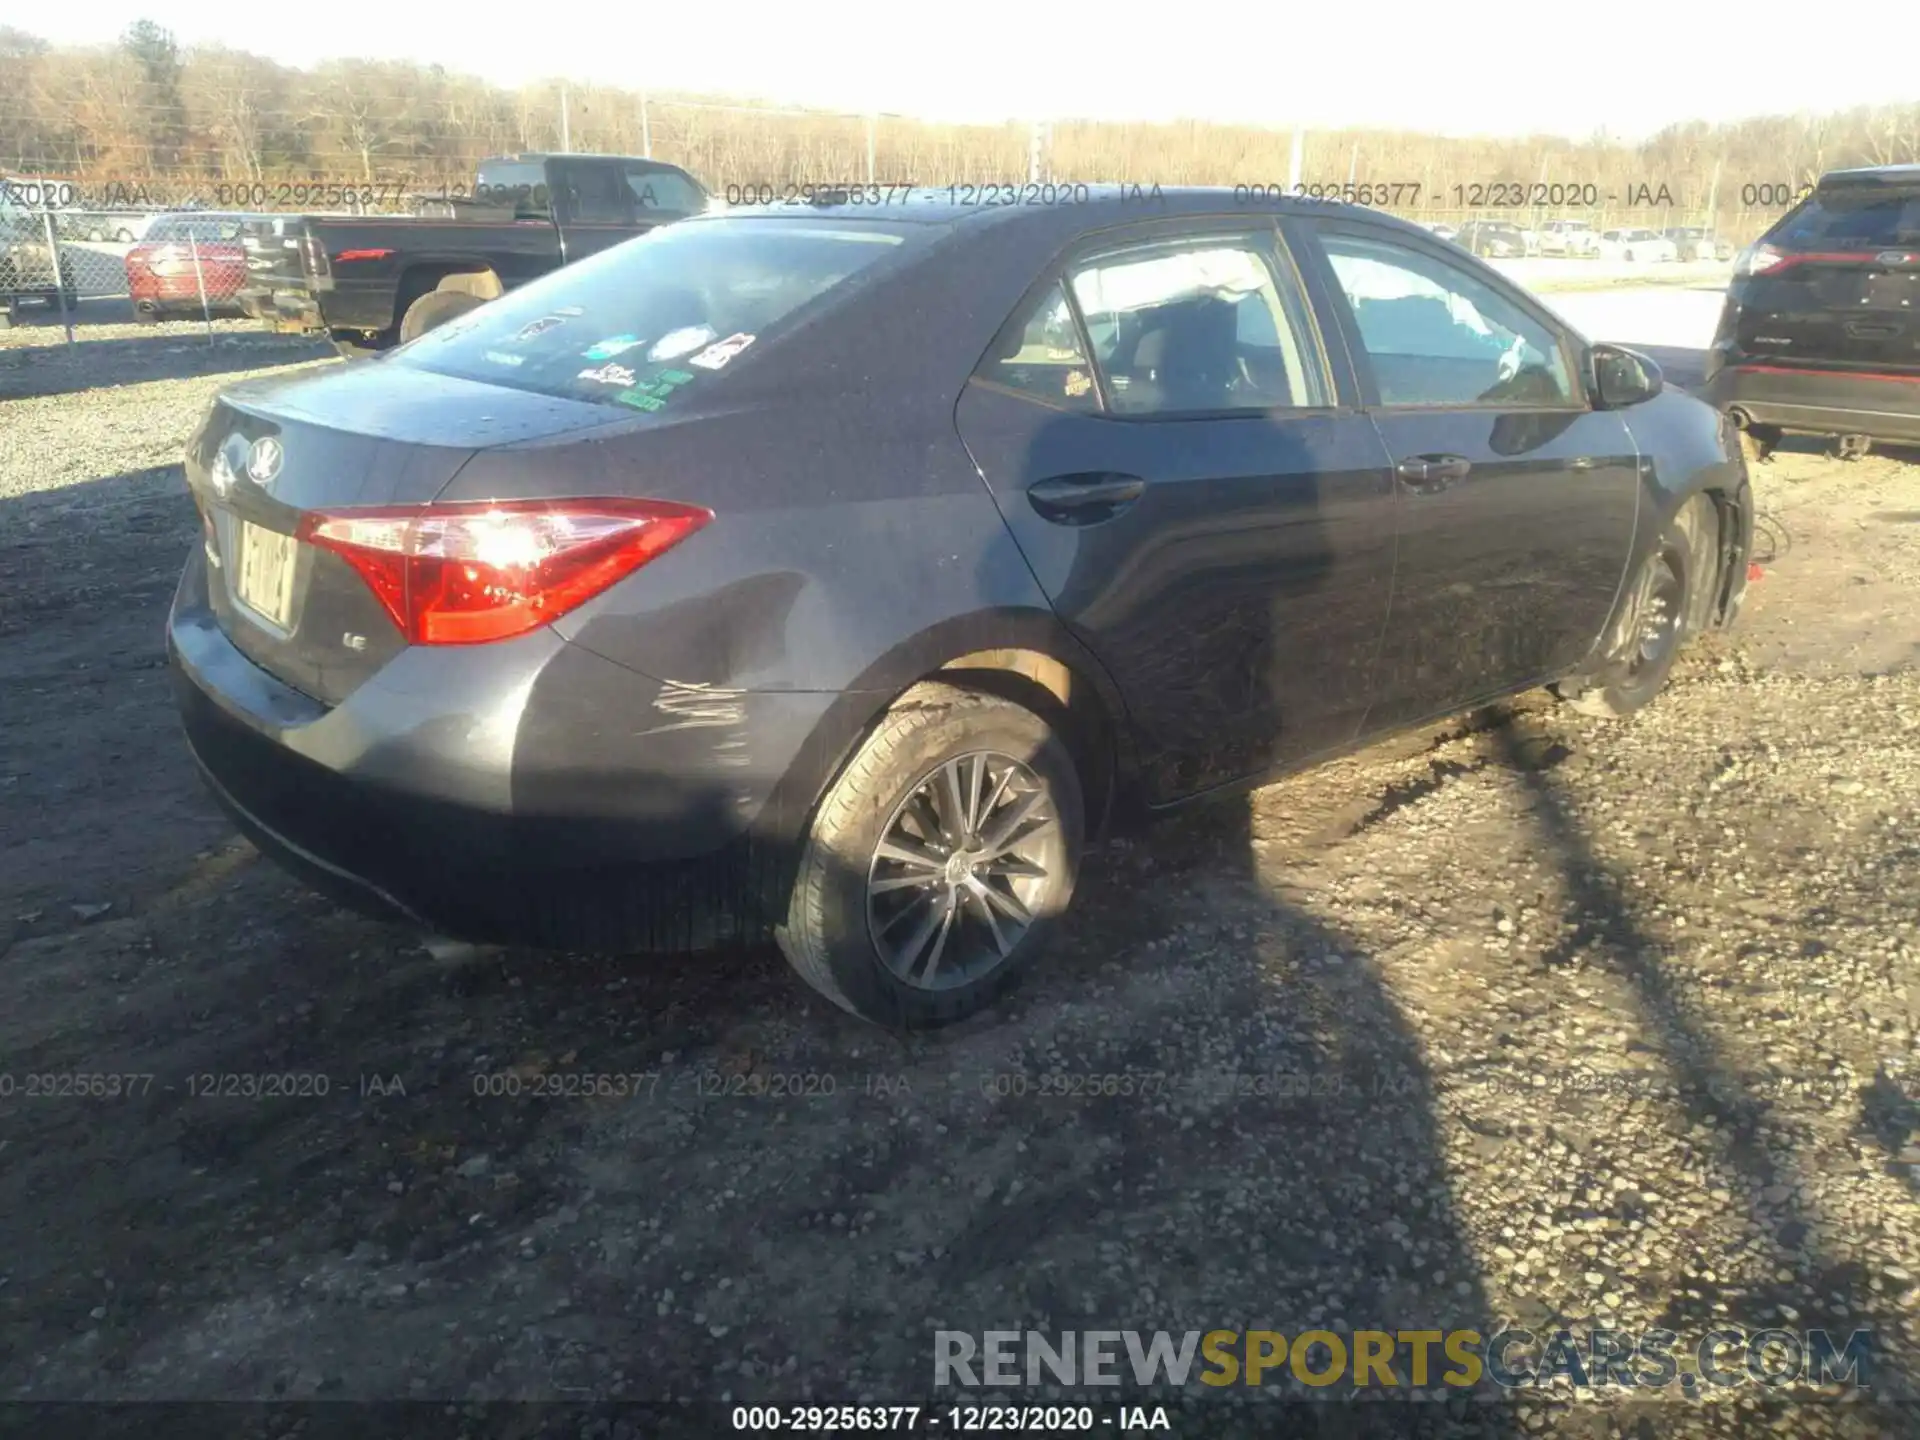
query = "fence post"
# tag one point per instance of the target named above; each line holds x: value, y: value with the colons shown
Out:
x: 200, y: 279
x: 59, y: 289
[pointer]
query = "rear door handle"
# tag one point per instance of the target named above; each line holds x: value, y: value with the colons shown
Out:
x: 1428, y: 474
x: 1084, y: 499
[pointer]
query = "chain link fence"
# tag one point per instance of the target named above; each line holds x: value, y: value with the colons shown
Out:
x: 78, y: 268
x: 82, y: 254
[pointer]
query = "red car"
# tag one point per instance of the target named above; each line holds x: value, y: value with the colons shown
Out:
x: 182, y: 259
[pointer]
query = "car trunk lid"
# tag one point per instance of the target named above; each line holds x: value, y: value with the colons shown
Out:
x: 268, y: 455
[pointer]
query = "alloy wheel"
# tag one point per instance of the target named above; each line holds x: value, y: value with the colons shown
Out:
x: 1653, y: 626
x: 963, y: 869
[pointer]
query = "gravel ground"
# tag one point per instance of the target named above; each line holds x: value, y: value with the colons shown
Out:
x: 1597, y: 1023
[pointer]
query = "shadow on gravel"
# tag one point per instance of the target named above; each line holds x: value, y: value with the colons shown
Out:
x: 1890, y: 1115
x: 346, y: 1236
x: 1352, y: 1198
x: 1828, y: 1289
x: 28, y: 371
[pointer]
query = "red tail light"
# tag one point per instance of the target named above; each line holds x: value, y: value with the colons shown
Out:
x: 466, y: 574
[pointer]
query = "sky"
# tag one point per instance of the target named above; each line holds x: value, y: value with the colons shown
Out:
x: 1486, y: 68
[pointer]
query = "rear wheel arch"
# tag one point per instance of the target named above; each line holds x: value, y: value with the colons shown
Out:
x: 1067, y: 699
x: 1036, y: 664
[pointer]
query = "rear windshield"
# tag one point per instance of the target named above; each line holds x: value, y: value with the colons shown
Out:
x: 674, y: 308
x: 1848, y: 219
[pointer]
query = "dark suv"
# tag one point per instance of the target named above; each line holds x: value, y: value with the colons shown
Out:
x: 1821, y: 332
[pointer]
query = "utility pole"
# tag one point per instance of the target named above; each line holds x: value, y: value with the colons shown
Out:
x: 872, y: 123
x: 1036, y: 140
x: 646, y: 131
x: 1299, y: 159
x: 1713, y: 197
x: 566, y: 129
x: 1353, y: 163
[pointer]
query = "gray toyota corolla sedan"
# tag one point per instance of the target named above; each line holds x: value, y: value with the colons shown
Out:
x: 834, y: 572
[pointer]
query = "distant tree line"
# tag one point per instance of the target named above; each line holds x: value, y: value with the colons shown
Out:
x: 175, y: 119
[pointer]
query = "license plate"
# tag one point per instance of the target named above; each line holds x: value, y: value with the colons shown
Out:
x: 264, y: 579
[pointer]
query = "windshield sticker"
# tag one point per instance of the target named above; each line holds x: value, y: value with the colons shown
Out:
x: 718, y: 354
x: 610, y: 347
x: 670, y: 378
x: 684, y: 341
x: 608, y: 375
x: 640, y: 399
x: 540, y: 326
x: 500, y: 357
x: 572, y: 312
x: 1078, y: 383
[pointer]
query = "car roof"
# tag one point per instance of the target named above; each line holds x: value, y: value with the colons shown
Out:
x: 1868, y: 175
x: 540, y: 156
x: 1089, y: 208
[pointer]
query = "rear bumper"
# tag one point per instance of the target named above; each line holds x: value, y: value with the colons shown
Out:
x: 1824, y: 401
x: 534, y: 795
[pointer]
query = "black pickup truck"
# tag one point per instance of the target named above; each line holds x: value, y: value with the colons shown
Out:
x: 375, y: 281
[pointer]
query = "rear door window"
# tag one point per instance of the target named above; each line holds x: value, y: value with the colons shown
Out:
x: 659, y: 193
x: 1205, y: 324
x: 639, y: 324
x: 521, y: 184
x: 1039, y: 353
x: 594, y: 193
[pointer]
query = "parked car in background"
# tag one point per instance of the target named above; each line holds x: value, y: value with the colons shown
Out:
x: 787, y: 574
x: 119, y: 227
x: 1637, y: 245
x: 1492, y: 239
x: 32, y: 272
x: 1441, y: 229
x: 1821, y: 327
x: 1692, y: 242
x: 1568, y: 238
x: 188, y: 261
x: 376, y: 281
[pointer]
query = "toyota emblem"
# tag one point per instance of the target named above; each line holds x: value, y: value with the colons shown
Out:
x: 263, y: 461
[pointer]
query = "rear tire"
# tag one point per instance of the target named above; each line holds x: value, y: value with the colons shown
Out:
x: 436, y: 307
x: 954, y: 795
x: 1665, y: 607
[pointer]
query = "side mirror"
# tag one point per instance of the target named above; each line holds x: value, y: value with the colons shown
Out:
x: 1621, y: 377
